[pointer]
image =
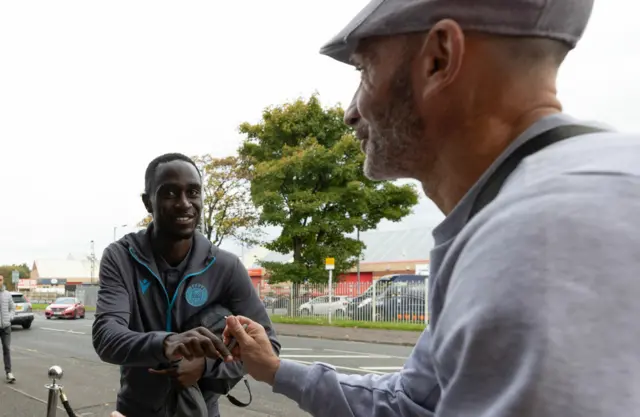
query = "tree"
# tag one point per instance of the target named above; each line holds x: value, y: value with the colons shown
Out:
x: 6, y: 270
x: 307, y: 177
x: 227, y: 208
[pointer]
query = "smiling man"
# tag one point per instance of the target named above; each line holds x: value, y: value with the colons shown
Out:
x: 534, y: 275
x: 154, y: 283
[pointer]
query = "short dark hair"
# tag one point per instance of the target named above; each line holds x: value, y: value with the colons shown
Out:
x: 150, y: 173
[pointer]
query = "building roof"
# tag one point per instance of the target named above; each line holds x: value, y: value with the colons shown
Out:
x: 397, y: 245
x: 382, y: 246
x: 70, y: 268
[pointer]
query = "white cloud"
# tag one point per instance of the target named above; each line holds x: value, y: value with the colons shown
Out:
x: 92, y: 91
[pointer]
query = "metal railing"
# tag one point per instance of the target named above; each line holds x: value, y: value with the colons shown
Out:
x: 386, y: 301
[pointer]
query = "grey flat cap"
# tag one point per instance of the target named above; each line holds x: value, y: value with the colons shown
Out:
x: 564, y: 20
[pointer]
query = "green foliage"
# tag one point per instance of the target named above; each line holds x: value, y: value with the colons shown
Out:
x: 6, y: 270
x: 307, y: 177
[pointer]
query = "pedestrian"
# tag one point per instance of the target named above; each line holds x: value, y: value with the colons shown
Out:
x: 154, y: 283
x: 534, y: 274
x: 7, y: 311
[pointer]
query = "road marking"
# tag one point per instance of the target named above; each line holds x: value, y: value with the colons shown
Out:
x: 336, y: 356
x: 346, y: 368
x: 61, y: 330
x: 53, y: 330
x: 362, y: 353
x: 381, y: 368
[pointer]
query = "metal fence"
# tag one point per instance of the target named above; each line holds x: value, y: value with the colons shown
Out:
x: 377, y: 301
x: 87, y: 294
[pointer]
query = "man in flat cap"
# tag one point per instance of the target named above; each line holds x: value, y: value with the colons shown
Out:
x: 535, y: 274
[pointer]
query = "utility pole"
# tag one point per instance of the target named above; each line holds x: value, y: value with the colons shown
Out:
x: 93, y: 261
x: 359, y: 256
x: 115, y: 229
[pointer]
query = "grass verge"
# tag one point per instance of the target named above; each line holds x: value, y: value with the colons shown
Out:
x: 41, y: 307
x: 322, y: 321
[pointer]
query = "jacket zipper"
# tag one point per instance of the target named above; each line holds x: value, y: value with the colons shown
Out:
x: 171, y: 302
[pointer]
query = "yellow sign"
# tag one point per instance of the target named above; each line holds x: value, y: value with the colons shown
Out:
x: 330, y: 263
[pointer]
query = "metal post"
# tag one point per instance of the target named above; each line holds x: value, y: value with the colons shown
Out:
x: 373, y: 302
x: 330, y: 291
x: 93, y: 261
x: 292, y: 288
x: 114, y: 232
x: 426, y: 301
x: 359, y: 256
x: 55, y: 374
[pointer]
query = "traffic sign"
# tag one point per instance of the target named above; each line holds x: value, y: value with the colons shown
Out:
x: 330, y: 264
x: 15, y: 276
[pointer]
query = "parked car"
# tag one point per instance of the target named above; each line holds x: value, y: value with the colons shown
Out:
x: 280, y: 301
x: 398, y: 302
x: 65, y: 307
x: 24, y: 311
x: 321, y: 305
x: 360, y: 307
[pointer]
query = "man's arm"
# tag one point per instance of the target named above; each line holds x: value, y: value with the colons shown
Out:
x: 243, y: 301
x: 113, y: 341
x: 516, y: 336
x: 323, y: 392
x: 12, y: 308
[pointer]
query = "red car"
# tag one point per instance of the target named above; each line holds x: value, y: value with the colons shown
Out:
x: 66, y: 307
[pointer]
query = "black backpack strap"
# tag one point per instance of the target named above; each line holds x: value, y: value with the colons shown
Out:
x: 233, y: 400
x: 494, y: 183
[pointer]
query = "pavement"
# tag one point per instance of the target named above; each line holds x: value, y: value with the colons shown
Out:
x: 91, y: 385
x: 353, y: 334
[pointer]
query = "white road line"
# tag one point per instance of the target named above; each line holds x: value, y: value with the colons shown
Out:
x: 381, y: 368
x: 53, y: 330
x: 362, y: 353
x: 346, y: 368
x: 335, y: 356
x: 297, y: 349
x: 61, y: 330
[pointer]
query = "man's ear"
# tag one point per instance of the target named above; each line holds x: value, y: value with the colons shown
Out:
x: 147, y: 203
x: 441, y: 56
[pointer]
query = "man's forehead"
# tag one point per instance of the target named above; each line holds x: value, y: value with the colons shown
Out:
x: 176, y: 171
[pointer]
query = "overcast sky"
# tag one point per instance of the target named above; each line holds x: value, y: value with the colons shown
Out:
x: 90, y: 92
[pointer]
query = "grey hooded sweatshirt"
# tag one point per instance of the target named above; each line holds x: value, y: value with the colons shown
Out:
x: 135, y: 313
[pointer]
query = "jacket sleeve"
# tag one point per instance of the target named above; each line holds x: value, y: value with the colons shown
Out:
x: 113, y: 341
x: 243, y: 301
x: 412, y: 392
x: 12, y: 308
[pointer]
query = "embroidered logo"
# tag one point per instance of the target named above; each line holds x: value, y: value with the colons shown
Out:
x: 196, y: 295
x: 144, y: 285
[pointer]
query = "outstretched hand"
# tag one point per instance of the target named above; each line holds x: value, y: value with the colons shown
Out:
x: 253, y: 348
x: 196, y: 343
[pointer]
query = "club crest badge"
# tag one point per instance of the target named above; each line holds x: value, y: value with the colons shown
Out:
x: 196, y: 295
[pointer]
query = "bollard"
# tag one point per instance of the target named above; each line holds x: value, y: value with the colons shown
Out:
x: 55, y: 374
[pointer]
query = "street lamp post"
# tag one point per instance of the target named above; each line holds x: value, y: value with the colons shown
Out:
x: 359, y: 256
x: 115, y: 229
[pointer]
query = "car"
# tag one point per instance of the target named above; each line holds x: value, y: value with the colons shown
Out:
x: 320, y: 306
x: 65, y: 308
x: 24, y: 311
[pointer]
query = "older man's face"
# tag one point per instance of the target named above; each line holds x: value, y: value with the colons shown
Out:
x: 384, y: 112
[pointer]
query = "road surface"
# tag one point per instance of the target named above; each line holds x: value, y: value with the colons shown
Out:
x: 92, y: 385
